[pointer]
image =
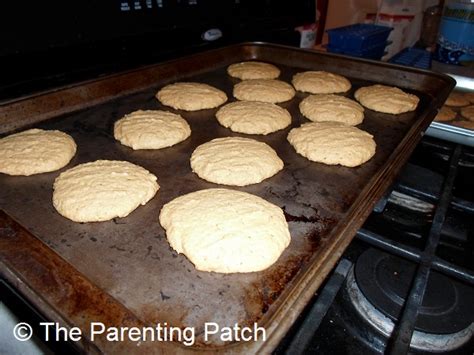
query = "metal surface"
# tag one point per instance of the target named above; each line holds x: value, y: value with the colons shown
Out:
x: 451, y: 133
x: 445, y: 130
x: 385, y: 280
x: 384, y: 325
x: 400, y: 343
x: 413, y: 254
x: 127, y: 263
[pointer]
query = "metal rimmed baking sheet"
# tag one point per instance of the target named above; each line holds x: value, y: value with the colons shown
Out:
x: 123, y: 271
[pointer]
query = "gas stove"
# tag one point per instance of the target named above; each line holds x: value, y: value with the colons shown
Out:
x: 406, y: 283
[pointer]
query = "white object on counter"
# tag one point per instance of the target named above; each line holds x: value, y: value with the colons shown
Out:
x: 308, y: 35
x: 405, y: 17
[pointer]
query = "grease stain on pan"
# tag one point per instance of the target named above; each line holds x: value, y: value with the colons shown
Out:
x: 263, y: 294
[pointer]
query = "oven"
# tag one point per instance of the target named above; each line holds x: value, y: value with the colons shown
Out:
x: 404, y: 284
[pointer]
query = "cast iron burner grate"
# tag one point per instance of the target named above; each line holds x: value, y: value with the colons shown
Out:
x: 413, y: 279
x: 385, y: 280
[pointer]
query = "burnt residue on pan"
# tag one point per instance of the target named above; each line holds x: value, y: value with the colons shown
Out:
x: 322, y: 224
x: 267, y: 291
x: 58, y: 282
x: 7, y: 231
x: 272, y: 287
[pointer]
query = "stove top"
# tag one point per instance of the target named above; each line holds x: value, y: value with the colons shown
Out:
x: 406, y: 283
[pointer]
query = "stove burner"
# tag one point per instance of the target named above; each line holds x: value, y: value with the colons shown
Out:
x: 384, y: 325
x: 385, y: 280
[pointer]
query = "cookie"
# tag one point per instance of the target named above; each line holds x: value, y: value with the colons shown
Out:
x: 35, y: 151
x: 457, y: 99
x: 253, y: 70
x: 468, y: 112
x: 469, y: 96
x: 191, y: 96
x: 387, y: 99
x: 329, y: 107
x: 320, y: 82
x: 332, y: 143
x: 151, y: 129
x: 464, y: 124
x: 225, y: 231
x: 102, y: 190
x: 264, y: 90
x: 235, y: 161
x: 253, y: 117
x: 445, y: 114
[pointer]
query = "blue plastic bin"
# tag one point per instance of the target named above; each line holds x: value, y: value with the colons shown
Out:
x: 413, y: 57
x: 373, y: 52
x: 357, y: 37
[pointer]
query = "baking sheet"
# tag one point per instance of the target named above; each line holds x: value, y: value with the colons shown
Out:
x: 447, y: 131
x: 128, y: 261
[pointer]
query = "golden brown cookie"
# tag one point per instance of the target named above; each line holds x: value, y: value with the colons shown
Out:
x: 253, y: 70
x: 226, y: 231
x: 445, y: 114
x: 330, y: 107
x: 151, y: 129
x: 235, y: 161
x: 102, y: 190
x: 387, y: 99
x: 468, y: 112
x: 264, y: 90
x: 332, y: 143
x: 253, y: 117
x: 469, y: 96
x: 457, y: 99
x: 464, y: 124
x: 35, y: 151
x: 320, y: 82
x: 191, y: 96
